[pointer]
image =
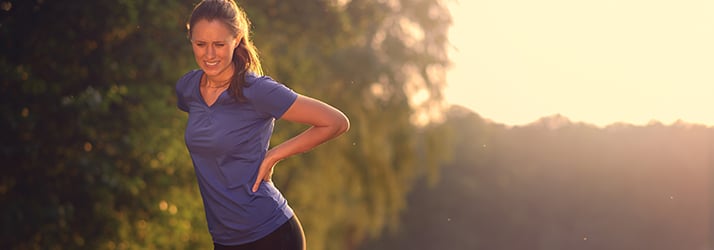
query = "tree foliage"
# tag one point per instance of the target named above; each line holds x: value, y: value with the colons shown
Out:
x: 92, y: 147
x: 93, y: 152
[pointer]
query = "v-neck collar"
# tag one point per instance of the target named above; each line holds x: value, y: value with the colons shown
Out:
x: 200, y: 96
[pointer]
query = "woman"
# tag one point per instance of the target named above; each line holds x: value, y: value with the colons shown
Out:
x: 231, y: 114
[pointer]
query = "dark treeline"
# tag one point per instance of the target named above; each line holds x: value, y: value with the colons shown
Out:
x: 555, y: 184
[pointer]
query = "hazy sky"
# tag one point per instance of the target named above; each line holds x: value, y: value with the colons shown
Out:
x: 598, y: 62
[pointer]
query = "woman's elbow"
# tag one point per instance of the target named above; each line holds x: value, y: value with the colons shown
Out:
x: 342, y: 124
x: 345, y: 124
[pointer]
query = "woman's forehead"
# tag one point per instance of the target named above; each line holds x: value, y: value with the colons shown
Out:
x: 211, y: 30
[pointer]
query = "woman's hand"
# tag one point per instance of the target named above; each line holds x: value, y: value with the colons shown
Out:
x: 265, y: 172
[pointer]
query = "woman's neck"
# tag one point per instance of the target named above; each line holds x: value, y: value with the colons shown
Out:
x: 220, y: 80
x: 213, y: 83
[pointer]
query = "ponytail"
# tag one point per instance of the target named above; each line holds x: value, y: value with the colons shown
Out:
x: 245, y: 60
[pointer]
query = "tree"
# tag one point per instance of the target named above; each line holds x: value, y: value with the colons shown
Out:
x: 91, y: 149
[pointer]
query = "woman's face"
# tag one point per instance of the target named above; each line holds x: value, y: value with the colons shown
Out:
x: 213, y: 45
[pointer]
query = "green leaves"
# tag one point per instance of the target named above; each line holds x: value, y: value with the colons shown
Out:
x: 91, y: 133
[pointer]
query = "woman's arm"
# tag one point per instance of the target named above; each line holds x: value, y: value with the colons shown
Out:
x: 326, y: 123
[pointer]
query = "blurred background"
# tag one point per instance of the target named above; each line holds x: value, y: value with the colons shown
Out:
x: 93, y: 155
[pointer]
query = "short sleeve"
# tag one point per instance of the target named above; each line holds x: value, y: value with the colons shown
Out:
x: 269, y: 96
x: 183, y: 89
x: 180, y: 101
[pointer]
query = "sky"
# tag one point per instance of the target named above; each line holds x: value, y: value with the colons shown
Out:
x: 598, y: 62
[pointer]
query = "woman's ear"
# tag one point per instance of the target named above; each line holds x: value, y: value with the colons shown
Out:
x: 239, y: 41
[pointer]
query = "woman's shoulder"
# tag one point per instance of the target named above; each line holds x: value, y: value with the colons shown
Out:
x: 190, y: 76
x: 253, y: 79
x: 268, y: 95
x: 189, y: 79
x: 256, y: 84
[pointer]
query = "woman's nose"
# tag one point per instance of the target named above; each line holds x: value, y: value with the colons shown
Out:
x: 211, y: 51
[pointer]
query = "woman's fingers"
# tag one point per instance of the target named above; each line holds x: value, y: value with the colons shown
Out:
x: 257, y: 181
x: 264, y: 174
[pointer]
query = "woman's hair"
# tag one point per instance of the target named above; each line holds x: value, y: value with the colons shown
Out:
x: 245, y: 56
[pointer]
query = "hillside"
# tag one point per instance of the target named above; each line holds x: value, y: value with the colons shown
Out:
x: 554, y: 184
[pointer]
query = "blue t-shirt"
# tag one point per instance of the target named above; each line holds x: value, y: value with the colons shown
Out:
x: 227, y: 142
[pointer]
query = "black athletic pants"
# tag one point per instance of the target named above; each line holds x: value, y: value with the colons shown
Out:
x: 289, y: 236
